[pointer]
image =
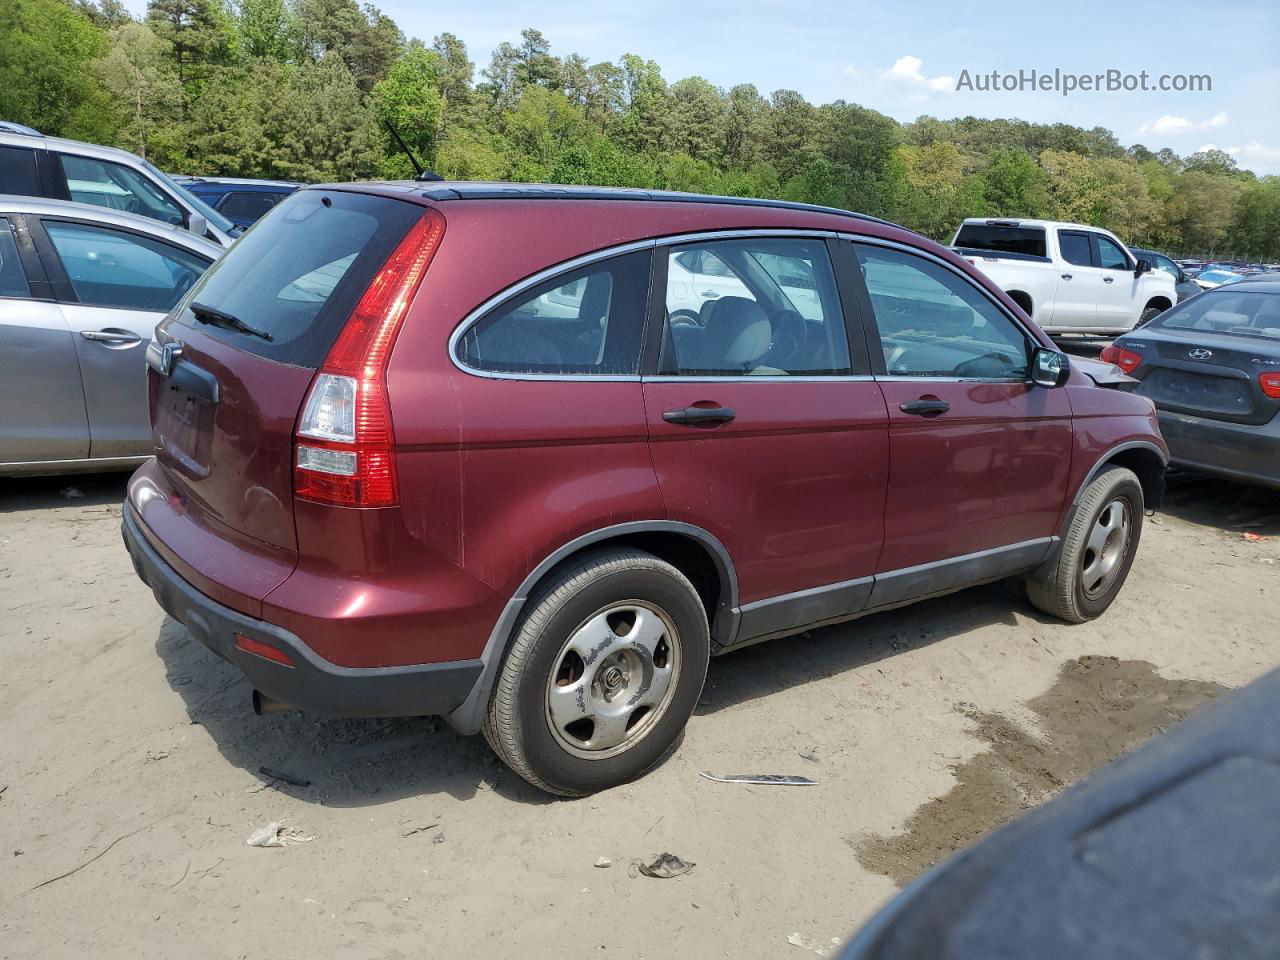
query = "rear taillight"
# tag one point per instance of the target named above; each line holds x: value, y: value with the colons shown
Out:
x: 344, y: 447
x: 1270, y: 384
x: 1126, y: 360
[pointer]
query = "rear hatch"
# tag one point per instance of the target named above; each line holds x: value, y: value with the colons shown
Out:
x: 242, y: 350
x: 1206, y: 357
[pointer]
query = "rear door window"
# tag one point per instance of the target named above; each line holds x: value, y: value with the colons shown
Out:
x: 114, y: 268
x: 13, y: 279
x: 587, y: 322
x: 299, y: 273
x: 18, y: 172
x: 766, y: 306
x: 1075, y: 248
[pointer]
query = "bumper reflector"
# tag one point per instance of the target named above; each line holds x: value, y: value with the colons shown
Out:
x: 264, y: 650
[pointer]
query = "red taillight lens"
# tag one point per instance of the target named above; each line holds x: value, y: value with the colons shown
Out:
x: 1126, y: 360
x: 345, y: 447
x: 1270, y: 384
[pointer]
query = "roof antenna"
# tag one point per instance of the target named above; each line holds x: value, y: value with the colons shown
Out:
x: 419, y: 171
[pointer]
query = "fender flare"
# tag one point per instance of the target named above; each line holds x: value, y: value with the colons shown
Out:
x: 468, y: 717
x: 1105, y: 458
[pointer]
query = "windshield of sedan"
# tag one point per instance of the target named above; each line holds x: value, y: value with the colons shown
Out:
x: 213, y: 216
x: 1249, y: 313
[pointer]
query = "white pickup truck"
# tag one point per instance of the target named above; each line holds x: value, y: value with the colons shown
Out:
x: 1069, y: 277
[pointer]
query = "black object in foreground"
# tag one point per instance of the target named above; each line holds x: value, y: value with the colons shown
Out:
x: 1172, y: 852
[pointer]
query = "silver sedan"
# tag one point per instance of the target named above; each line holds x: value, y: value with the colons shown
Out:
x: 81, y: 291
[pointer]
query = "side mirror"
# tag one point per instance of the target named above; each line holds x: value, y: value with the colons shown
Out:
x: 1144, y: 266
x: 198, y: 225
x: 1049, y: 368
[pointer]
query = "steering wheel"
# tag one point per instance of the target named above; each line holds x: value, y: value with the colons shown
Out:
x: 790, y: 330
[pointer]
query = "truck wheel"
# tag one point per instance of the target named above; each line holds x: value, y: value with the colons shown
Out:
x: 1148, y: 315
x: 1097, y: 551
x: 604, y: 672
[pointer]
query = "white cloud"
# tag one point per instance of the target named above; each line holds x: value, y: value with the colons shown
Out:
x: 906, y: 72
x: 1254, y: 155
x: 1172, y: 124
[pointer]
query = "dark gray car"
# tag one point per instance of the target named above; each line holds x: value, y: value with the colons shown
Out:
x: 1211, y: 365
x: 1183, y: 283
x: 81, y: 291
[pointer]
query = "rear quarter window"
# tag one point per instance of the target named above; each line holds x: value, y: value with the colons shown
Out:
x: 299, y: 272
x: 18, y: 172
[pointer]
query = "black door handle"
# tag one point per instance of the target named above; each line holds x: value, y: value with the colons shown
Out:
x: 1108, y: 279
x: 925, y: 407
x: 697, y: 415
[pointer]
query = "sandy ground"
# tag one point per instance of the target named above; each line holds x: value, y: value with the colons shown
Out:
x: 129, y: 765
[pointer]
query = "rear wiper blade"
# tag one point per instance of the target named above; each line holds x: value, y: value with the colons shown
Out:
x: 220, y: 318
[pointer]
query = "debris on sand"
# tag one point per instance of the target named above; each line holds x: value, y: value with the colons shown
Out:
x: 603, y: 862
x: 773, y: 779
x: 276, y: 834
x: 284, y: 777
x: 814, y: 944
x: 663, y: 867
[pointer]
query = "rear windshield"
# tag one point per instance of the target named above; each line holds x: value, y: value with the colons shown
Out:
x: 1245, y: 313
x: 299, y: 272
x: 1028, y: 241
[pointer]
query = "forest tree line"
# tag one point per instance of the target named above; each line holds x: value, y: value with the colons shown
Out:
x: 304, y: 89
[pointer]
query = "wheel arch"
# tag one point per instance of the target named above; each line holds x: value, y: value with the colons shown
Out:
x: 695, y: 552
x: 1142, y: 457
x: 1023, y: 299
x: 1160, y: 303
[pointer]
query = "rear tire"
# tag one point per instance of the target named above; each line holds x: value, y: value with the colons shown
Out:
x: 1097, y: 551
x: 602, y: 675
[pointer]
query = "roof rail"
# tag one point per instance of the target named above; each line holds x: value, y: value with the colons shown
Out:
x: 461, y: 190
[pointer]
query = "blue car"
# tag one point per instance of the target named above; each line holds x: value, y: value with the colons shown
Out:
x: 240, y: 201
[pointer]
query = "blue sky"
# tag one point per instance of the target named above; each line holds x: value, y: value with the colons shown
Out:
x: 855, y: 50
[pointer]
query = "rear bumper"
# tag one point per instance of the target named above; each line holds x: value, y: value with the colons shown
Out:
x: 1239, y: 451
x: 312, y: 683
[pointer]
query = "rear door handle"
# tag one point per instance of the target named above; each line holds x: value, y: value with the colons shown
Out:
x: 696, y: 415
x: 110, y: 335
x: 924, y: 408
x: 710, y: 294
x: 1108, y: 279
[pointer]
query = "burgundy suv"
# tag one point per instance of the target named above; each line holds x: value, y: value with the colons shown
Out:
x: 526, y: 457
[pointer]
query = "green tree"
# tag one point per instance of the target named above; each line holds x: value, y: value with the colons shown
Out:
x: 137, y: 72
x: 46, y: 70
x: 1013, y: 185
x: 746, y: 125
x: 197, y: 33
x: 268, y: 29
x: 698, y: 119
x: 409, y: 99
x: 364, y: 38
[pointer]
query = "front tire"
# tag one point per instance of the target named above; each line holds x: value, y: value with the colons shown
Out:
x: 1097, y: 551
x: 1148, y: 315
x: 602, y: 675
